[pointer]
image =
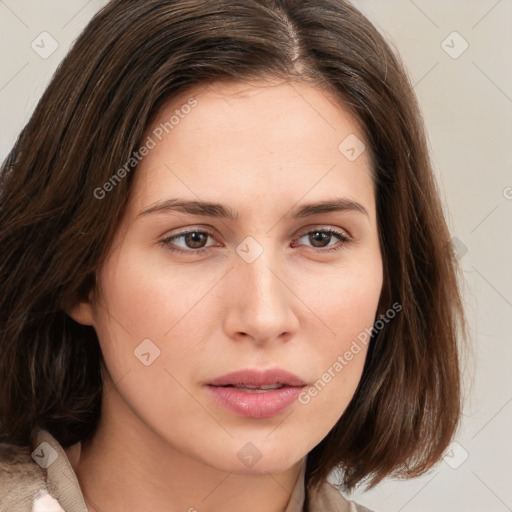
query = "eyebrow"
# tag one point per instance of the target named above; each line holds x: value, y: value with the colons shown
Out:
x: 217, y: 210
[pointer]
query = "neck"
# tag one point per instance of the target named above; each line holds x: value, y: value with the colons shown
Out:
x: 127, y: 466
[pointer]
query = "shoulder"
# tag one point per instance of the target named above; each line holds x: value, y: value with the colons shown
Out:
x: 27, y: 484
x: 329, y: 498
x: 21, y: 478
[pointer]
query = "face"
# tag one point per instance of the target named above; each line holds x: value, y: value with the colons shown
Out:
x: 189, y: 294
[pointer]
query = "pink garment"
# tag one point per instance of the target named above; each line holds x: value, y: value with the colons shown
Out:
x: 43, y: 502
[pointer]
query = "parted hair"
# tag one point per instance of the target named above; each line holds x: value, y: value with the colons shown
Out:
x: 131, y: 59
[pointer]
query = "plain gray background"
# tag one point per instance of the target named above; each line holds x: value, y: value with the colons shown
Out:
x: 458, y: 57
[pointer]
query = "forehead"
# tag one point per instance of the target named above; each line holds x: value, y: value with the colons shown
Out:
x: 231, y: 106
x: 259, y: 140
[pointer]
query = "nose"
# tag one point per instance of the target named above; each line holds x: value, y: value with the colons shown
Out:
x: 262, y: 305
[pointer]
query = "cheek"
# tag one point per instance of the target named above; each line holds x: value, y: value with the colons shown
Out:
x: 339, y: 364
x: 145, y: 300
x: 347, y: 307
x: 142, y: 301
x: 148, y: 335
x: 346, y: 298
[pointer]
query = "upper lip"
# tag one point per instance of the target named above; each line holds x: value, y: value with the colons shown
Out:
x: 258, y: 378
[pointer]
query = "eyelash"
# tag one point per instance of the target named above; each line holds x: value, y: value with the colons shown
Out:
x: 342, y: 237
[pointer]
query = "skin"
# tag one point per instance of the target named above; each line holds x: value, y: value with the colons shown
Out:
x: 163, y: 444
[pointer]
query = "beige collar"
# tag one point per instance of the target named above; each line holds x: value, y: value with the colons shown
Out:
x: 60, y: 474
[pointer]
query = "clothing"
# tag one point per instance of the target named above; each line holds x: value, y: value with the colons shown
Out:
x: 42, y: 478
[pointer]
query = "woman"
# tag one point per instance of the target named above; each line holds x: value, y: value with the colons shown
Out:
x: 225, y: 267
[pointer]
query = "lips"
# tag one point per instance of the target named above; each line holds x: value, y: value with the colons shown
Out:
x: 256, y: 393
x: 258, y: 379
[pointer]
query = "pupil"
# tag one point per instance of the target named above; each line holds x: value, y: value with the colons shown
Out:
x: 324, y: 237
x: 194, y: 239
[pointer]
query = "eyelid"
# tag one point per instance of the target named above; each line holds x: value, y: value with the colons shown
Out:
x: 191, y: 229
x: 211, y: 232
x: 324, y: 227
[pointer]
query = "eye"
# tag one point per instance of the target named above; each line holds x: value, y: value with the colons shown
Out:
x: 321, y: 238
x: 194, y: 240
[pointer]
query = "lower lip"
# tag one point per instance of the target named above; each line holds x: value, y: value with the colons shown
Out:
x: 256, y: 405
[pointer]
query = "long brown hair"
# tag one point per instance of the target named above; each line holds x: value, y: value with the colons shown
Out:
x: 55, y: 232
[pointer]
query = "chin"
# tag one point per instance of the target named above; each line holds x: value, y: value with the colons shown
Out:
x: 253, y: 461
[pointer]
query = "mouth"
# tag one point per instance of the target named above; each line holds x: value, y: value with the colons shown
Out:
x: 256, y: 394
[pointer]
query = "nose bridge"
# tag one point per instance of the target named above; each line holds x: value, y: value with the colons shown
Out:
x: 262, y: 307
x: 262, y: 275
